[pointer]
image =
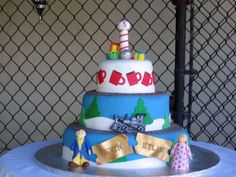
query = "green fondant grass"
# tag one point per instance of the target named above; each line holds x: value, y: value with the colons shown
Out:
x: 121, y: 159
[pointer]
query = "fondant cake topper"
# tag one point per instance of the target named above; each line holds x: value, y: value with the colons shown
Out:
x: 124, y: 26
x: 114, y: 47
x: 114, y: 53
x: 181, y: 154
x: 81, y: 150
x: 139, y: 55
x: 121, y: 50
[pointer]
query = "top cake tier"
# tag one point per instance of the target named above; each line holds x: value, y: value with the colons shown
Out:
x: 125, y: 76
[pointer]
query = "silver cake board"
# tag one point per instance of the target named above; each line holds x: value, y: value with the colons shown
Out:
x: 50, y: 158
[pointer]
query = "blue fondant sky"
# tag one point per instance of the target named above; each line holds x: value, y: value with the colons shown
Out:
x: 157, y: 106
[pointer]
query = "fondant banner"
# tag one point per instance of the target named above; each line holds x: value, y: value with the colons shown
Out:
x: 152, y: 147
x: 112, y: 149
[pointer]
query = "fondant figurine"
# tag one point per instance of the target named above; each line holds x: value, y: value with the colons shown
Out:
x: 81, y: 150
x: 181, y: 154
x: 114, y: 53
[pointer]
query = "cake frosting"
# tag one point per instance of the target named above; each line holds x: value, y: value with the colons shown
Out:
x: 125, y: 76
x: 124, y: 122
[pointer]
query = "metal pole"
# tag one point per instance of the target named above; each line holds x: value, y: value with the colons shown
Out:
x: 180, y: 61
x: 190, y: 96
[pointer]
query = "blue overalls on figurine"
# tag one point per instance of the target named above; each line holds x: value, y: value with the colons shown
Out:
x: 81, y: 150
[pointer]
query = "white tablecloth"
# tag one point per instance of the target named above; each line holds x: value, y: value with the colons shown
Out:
x: 20, y: 162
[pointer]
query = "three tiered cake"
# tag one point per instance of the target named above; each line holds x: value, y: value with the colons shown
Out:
x: 125, y: 122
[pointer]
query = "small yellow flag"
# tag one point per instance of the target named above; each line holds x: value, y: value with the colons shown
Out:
x: 112, y: 149
x: 152, y: 147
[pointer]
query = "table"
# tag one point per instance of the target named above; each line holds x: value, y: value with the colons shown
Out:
x: 20, y: 162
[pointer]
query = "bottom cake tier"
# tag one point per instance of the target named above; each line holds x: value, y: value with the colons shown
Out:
x: 125, y: 151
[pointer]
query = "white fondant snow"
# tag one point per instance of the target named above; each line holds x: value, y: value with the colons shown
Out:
x: 99, y: 123
x: 104, y: 123
x: 156, y: 125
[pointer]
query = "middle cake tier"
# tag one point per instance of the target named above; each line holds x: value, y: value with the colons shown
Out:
x: 125, y: 112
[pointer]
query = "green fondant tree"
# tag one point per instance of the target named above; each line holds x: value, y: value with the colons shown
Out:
x: 166, y: 121
x: 93, y: 110
x: 141, y: 109
x: 82, y: 117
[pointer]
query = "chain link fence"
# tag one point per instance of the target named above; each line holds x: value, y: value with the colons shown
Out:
x: 214, y: 85
x: 46, y: 67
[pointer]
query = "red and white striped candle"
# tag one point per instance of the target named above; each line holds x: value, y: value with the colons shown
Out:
x: 124, y: 26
